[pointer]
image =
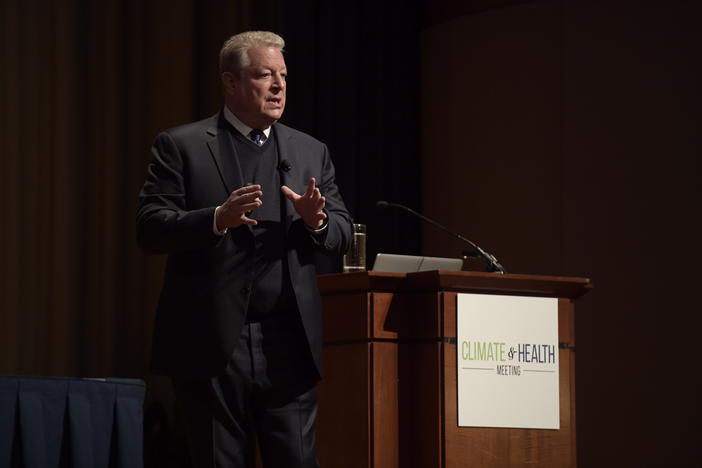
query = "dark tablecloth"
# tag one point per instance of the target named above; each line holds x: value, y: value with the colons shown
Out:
x: 65, y: 422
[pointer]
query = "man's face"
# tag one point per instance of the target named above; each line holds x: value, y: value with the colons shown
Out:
x: 257, y: 97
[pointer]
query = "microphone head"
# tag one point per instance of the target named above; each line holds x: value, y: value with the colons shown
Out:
x: 381, y: 204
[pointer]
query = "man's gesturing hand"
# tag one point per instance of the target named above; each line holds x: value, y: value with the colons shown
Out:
x: 309, y: 205
x: 232, y: 213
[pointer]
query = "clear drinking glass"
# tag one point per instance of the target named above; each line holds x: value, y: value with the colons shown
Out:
x: 355, y: 258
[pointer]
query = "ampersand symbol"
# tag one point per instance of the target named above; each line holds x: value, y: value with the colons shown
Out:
x: 510, y: 354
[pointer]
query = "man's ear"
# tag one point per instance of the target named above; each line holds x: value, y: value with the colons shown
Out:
x: 228, y: 82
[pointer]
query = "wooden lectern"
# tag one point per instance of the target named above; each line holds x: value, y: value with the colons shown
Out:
x: 388, y: 395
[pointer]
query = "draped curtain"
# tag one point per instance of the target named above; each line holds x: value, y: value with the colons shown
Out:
x: 85, y: 88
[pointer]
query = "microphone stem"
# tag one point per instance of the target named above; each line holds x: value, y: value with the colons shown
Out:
x: 490, y: 261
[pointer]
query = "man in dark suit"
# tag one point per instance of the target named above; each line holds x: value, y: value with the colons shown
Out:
x: 240, y: 203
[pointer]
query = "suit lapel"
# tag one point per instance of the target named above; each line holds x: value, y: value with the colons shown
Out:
x: 222, y: 149
x: 224, y: 155
x: 291, y: 178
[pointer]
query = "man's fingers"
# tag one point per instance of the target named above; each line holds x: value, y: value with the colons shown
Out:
x: 289, y: 194
x: 246, y: 189
x: 250, y: 206
x: 249, y: 221
x: 320, y: 204
x: 244, y: 203
x: 246, y: 197
x: 310, y: 205
x: 310, y: 187
x: 317, y: 219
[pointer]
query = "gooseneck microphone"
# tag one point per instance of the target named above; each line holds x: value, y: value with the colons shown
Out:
x: 491, y: 263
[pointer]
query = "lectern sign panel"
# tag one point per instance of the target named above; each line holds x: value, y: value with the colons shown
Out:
x: 507, y: 361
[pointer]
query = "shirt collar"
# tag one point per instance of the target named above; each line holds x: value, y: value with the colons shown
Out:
x: 240, y: 126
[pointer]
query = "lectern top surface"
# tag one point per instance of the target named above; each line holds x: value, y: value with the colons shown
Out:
x: 461, y: 281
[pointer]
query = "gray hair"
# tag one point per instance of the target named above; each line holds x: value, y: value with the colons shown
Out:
x: 234, y: 54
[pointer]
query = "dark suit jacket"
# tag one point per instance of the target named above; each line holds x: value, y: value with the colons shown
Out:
x: 208, y: 278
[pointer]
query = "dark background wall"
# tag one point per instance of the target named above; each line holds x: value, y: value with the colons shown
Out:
x: 564, y: 137
x: 559, y: 135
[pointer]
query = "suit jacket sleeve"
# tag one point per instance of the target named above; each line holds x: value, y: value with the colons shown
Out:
x: 337, y: 237
x: 164, y: 222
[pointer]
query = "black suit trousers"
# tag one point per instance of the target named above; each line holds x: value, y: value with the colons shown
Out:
x: 267, y: 394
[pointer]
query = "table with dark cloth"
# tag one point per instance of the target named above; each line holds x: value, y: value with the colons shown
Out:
x: 61, y: 422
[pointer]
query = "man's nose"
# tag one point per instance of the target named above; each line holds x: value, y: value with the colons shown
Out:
x: 278, y: 82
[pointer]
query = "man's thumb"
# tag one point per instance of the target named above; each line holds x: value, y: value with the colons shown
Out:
x: 289, y: 194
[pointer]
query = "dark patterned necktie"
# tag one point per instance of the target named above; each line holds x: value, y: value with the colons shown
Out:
x: 256, y: 136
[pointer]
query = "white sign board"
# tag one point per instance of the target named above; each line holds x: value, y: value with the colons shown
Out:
x: 507, y: 361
